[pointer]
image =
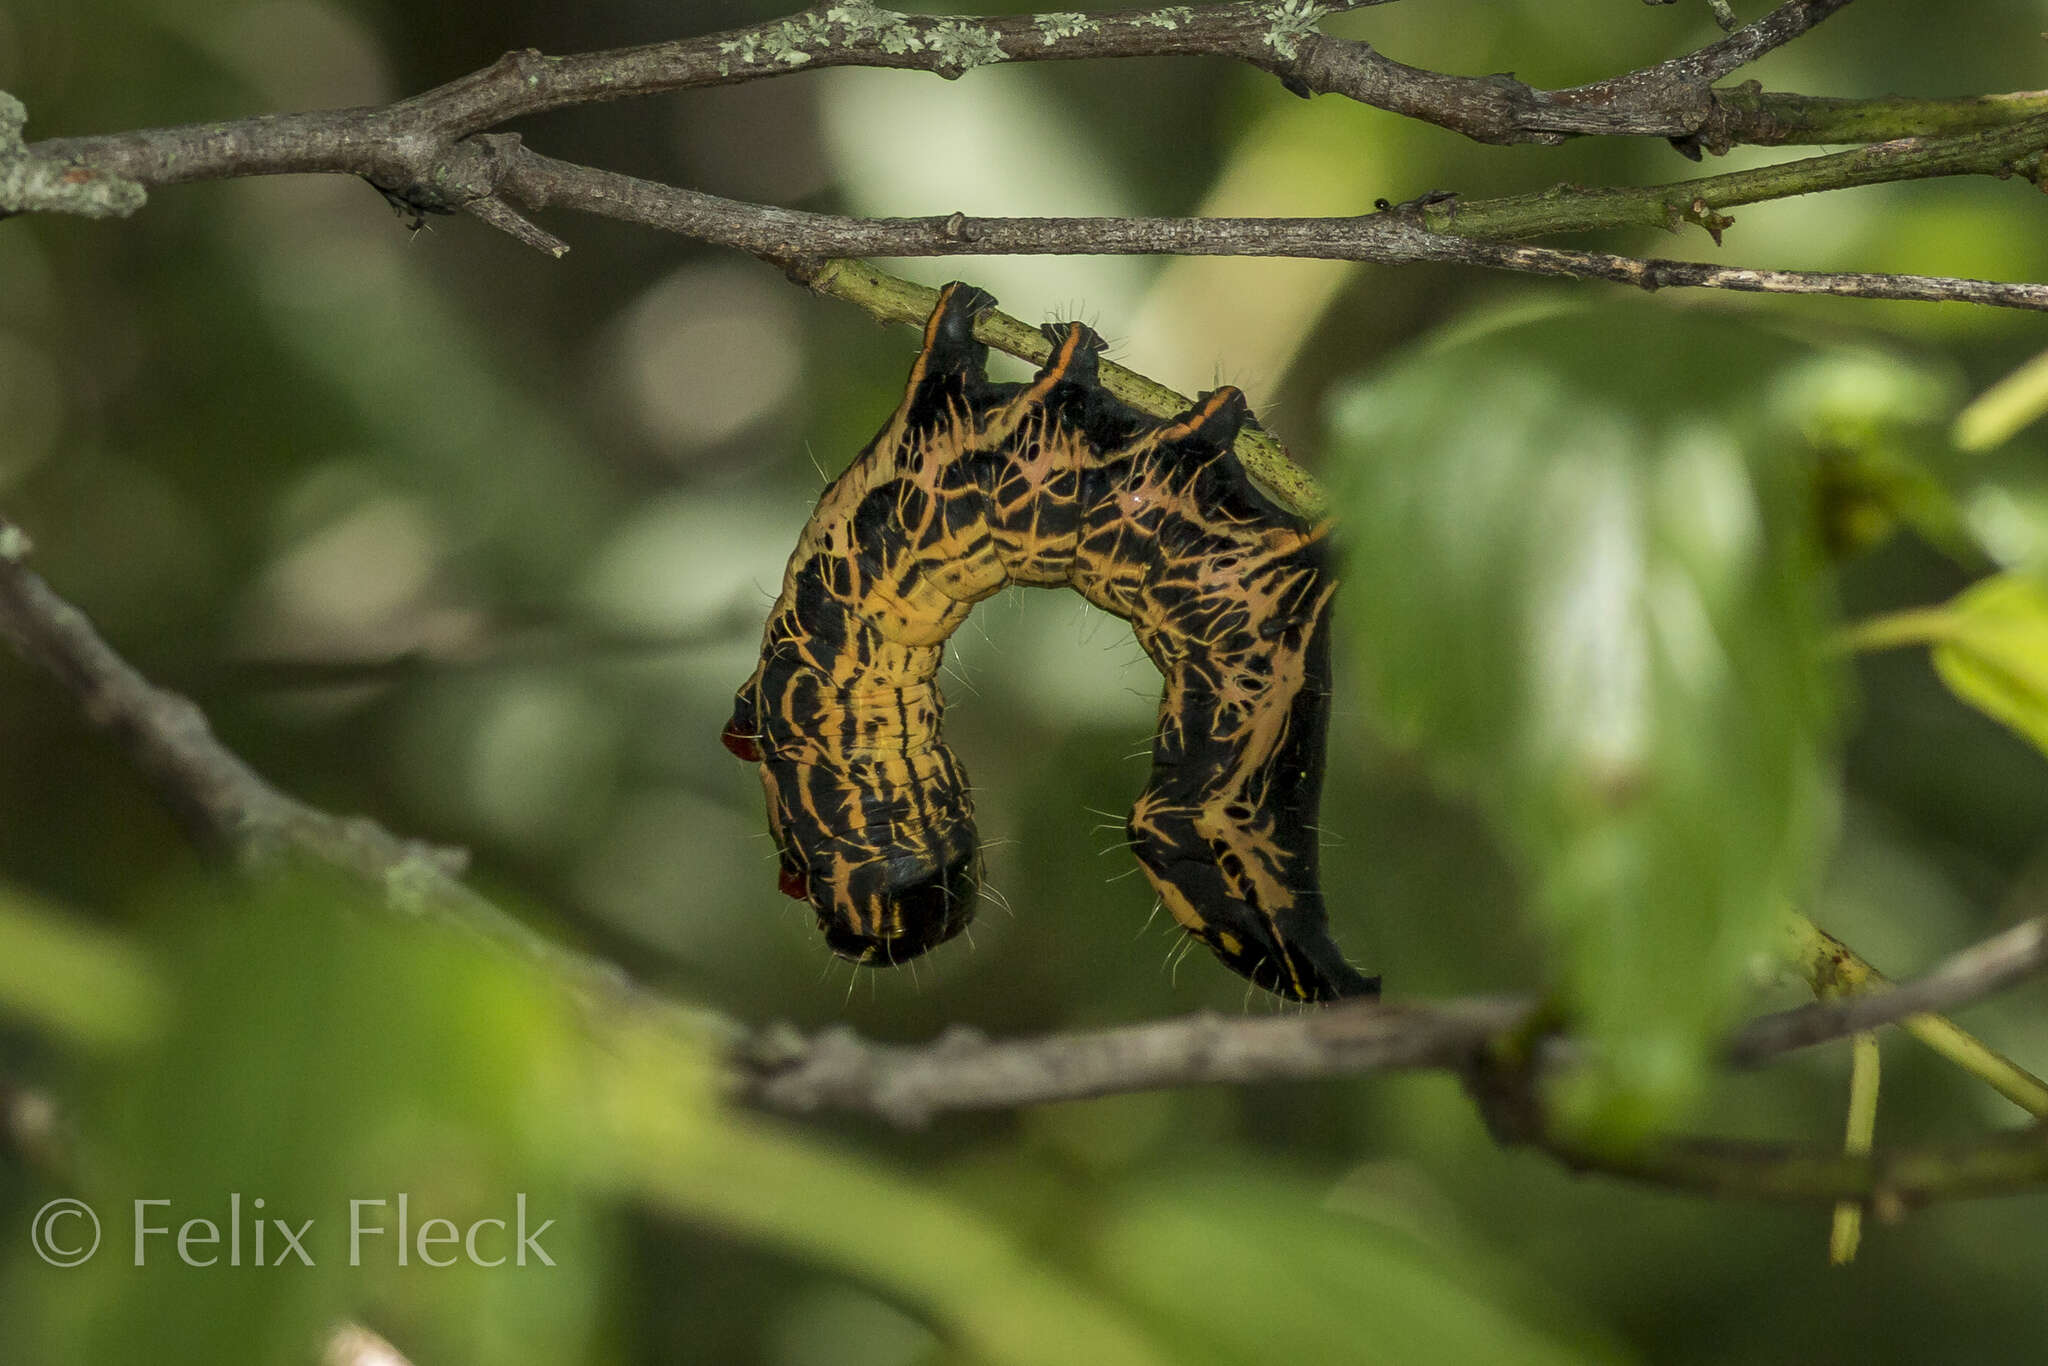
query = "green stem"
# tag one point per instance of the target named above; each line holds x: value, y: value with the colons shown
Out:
x: 1831, y: 967
x: 2012, y: 149
x: 893, y: 299
x: 1769, y: 118
x: 1886, y: 1180
x: 1861, y: 1133
x: 1918, y: 626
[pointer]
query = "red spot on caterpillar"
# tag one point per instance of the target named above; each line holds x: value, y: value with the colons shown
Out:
x: 742, y: 745
x: 794, y: 884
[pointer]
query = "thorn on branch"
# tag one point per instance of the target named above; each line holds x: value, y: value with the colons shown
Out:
x: 1447, y: 200
x: 505, y: 219
x: 1715, y: 223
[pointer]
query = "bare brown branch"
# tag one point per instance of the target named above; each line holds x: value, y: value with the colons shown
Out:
x: 222, y: 801
x: 1391, y: 238
x: 401, y: 146
x: 431, y: 151
x: 908, y: 1085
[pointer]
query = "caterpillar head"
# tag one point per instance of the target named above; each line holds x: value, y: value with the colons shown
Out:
x: 886, y: 856
x: 896, y: 908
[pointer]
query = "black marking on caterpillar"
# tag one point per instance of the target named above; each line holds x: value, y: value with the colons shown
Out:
x: 973, y: 485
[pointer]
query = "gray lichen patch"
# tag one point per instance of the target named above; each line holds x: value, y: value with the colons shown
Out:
x: 885, y: 28
x: 964, y: 46
x: 1170, y: 18
x: 745, y: 48
x: 790, y: 41
x: 1053, y: 27
x: 1292, y: 20
x: 32, y: 185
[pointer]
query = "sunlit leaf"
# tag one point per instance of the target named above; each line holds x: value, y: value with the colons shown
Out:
x: 1992, y: 652
x: 1580, y: 583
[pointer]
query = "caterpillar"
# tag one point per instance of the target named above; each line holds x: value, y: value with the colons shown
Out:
x: 973, y: 485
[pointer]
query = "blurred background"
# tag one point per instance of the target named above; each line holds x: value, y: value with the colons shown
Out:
x: 478, y: 543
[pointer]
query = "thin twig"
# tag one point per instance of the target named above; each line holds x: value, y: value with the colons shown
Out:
x: 2008, y: 957
x: 1387, y: 238
x: 909, y: 1084
x: 395, y: 145
x: 1833, y: 969
x: 431, y: 151
x: 1887, y: 1180
x: 222, y: 801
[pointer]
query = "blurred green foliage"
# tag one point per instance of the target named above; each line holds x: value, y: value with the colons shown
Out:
x: 439, y: 529
x: 1590, y: 597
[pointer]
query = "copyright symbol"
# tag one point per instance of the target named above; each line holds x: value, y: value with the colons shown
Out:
x: 56, y: 1237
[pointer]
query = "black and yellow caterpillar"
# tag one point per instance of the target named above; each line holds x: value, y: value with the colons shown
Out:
x: 974, y: 485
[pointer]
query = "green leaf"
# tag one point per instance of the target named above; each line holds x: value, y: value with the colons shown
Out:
x: 1992, y: 652
x: 1580, y: 583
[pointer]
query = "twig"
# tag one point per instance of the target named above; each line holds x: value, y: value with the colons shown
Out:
x: 31, y: 183
x: 505, y: 219
x: 223, y: 802
x: 2008, y: 957
x: 1835, y: 970
x: 1745, y: 45
x: 1389, y: 238
x: 431, y: 151
x: 1765, y: 118
x: 395, y: 146
x: 909, y: 1084
x: 1889, y: 1181
x: 2014, y: 149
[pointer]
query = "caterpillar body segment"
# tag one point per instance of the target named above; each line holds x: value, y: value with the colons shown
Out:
x: 974, y: 485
